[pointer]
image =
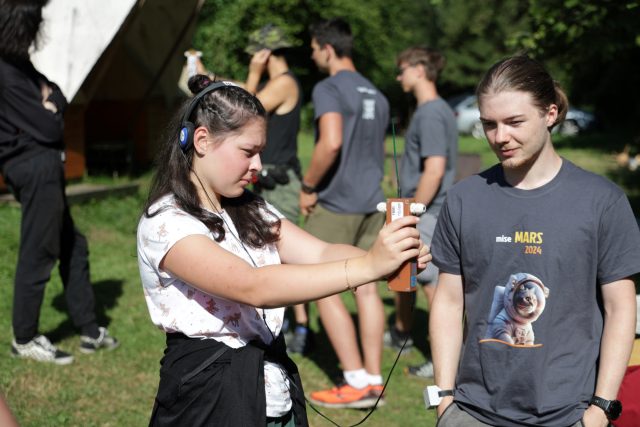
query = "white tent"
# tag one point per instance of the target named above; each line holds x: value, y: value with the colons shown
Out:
x: 118, y: 63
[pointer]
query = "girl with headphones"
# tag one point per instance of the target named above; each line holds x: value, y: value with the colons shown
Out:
x: 218, y: 265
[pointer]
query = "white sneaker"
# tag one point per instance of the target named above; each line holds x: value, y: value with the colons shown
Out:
x: 421, y: 371
x: 89, y: 345
x: 40, y: 349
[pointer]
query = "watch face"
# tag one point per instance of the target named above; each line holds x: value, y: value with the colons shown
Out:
x: 614, y: 410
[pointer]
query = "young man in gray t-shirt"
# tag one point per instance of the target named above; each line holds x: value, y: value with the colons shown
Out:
x: 536, y: 257
x: 427, y: 171
x: 340, y: 191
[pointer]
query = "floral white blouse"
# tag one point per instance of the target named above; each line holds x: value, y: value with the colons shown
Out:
x: 176, y: 306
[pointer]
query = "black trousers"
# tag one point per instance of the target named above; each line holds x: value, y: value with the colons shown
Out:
x: 47, y: 234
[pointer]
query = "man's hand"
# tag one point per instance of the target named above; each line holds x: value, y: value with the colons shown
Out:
x: 307, y: 202
x: 444, y: 404
x: 594, y: 417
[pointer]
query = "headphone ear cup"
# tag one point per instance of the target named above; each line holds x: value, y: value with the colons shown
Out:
x: 185, y: 139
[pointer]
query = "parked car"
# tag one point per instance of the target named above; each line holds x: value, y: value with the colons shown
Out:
x: 575, y: 122
x: 465, y: 107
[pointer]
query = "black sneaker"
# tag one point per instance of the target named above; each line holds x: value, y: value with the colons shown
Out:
x: 421, y: 371
x: 40, y: 349
x: 89, y: 345
x: 302, y: 341
x: 394, y: 339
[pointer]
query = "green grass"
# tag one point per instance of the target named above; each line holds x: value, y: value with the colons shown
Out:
x: 117, y: 389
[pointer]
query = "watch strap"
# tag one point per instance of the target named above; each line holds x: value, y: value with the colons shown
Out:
x: 307, y: 188
x: 445, y: 393
x: 600, y: 402
x: 611, y: 408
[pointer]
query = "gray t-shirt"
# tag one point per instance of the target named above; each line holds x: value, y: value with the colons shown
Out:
x: 432, y: 132
x: 352, y: 185
x: 533, y: 362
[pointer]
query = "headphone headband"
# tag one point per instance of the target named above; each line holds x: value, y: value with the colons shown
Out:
x: 187, y: 127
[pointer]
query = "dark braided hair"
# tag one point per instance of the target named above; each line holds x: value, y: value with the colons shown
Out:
x: 222, y: 111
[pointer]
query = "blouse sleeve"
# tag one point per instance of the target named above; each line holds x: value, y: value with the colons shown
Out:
x: 158, y: 234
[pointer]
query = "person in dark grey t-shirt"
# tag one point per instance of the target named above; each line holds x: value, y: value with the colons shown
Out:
x: 340, y: 191
x: 536, y: 257
x: 427, y: 171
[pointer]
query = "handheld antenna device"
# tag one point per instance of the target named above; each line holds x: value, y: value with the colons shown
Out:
x: 404, y: 279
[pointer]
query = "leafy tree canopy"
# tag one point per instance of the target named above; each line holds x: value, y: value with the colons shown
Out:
x: 591, y: 46
x: 596, y: 45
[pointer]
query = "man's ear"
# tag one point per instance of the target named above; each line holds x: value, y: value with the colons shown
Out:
x: 552, y: 114
x: 331, y: 52
x: 201, y: 140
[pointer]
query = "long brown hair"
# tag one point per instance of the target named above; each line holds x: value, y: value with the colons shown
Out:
x: 523, y: 74
x: 222, y: 111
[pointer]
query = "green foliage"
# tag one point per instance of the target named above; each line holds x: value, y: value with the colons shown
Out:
x: 474, y: 35
x: 224, y: 26
x: 597, y: 45
x: 591, y: 46
x: 602, y: 27
x: 381, y: 30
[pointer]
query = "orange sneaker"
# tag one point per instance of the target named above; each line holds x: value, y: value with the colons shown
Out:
x: 377, y: 390
x: 345, y: 396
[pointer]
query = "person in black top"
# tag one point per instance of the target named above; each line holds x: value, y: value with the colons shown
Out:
x: 279, y: 181
x: 31, y: 160
x: 281, y: 96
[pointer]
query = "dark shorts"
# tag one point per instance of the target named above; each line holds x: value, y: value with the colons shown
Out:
x: 285, y: 198
x: 358, y: 230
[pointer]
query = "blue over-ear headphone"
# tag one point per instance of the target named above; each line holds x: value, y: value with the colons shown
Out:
x: 185, y: 139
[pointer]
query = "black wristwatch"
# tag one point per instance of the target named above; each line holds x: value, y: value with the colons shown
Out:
x: 307, y: 189
x: 611, y: 408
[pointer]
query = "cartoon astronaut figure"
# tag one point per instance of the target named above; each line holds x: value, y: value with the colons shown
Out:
x: 515, y: 307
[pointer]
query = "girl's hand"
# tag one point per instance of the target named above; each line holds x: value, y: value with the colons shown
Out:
x: 397, y: 242
x: 259, y: 61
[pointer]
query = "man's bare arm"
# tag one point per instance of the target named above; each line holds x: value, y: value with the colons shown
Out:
x: 327, y: 148
x: 431, y: 179
x: 615, y: 347
x: 445, y: 331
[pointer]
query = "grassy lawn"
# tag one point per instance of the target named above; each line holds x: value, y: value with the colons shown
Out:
x: 117, y: 389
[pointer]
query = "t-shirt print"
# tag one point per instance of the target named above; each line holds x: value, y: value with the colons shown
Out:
x: 514, y: 308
